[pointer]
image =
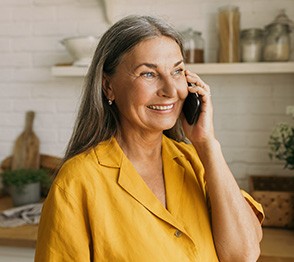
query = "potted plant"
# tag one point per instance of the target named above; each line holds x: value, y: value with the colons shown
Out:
x: 281, y: 144
x: 24, y: 185
x: 276, y: 192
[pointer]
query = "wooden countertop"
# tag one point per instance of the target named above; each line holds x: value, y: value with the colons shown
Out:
x: 276, y: 246
x: 22, y: 236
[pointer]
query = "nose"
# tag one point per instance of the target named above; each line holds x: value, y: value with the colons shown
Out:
x: 168, y: 87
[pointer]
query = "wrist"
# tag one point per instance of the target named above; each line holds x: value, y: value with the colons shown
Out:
x: 206, y: 144
x: 207, y: 148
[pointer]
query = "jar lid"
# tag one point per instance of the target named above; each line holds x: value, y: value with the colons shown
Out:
x: 282, y: 19
x: 190, y: 32
x: 253, y: 32
x: 197, y: 32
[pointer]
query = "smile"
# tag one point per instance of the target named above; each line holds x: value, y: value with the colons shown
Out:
x: 161, y: 108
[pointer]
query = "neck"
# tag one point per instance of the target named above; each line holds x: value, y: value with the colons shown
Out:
x: 140, y: 146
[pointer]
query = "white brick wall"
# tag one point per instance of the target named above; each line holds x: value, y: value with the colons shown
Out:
x: 246, y: 107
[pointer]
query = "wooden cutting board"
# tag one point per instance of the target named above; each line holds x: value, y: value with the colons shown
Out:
x: 26, y: 149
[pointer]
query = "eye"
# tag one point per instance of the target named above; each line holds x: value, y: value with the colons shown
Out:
x: 178, y: 71
x: 148, y: 74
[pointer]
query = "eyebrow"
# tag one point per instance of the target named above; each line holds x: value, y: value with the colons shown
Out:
x: 150, y: 65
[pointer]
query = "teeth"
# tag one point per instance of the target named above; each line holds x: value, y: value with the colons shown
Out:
x: 161, y: 108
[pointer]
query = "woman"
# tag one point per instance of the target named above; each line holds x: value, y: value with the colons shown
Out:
x: 131, y: 188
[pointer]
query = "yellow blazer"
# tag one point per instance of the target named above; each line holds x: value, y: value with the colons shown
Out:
x: 100, y: 209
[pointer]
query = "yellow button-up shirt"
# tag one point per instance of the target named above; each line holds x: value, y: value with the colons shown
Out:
x: 100, y: 209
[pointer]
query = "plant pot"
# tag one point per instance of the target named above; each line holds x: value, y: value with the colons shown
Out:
x: 276, y: 195
x: 27, y: 194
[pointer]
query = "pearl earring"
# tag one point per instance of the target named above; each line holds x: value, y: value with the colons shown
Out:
x: 109, y: 102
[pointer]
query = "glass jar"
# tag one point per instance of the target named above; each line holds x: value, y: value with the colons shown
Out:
x: 228, y: 34
x: 251, y: 45
x: 193, y: 46
x: 277, y: 42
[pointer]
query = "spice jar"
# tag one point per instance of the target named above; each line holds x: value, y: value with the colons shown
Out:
x: 277, y: 39
x: 193, y: 46
x: 251, y: 45
x: 229, y: 30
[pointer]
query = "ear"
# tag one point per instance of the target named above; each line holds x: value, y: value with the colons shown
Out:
x: 107, y: 88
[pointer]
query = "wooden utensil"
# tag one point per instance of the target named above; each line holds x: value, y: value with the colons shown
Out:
x: 26, y: 149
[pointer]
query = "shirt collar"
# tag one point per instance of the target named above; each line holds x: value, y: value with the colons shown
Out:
x: 109, y: 153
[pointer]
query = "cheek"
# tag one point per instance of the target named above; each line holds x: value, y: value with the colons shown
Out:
x: 141, y: 92
x: 131, y: 97
x: 182, y: 90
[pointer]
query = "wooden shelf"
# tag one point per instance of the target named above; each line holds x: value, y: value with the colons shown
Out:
x: 201, y: 69
x: 61, y: 71
x: 242, y: 68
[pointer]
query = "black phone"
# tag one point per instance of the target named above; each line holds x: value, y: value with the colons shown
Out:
x: 192, y: 108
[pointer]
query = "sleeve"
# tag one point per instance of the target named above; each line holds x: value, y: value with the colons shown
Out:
x: 63, y: 233
x: 256, y: 207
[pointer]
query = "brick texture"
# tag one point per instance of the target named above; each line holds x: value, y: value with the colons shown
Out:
x: 246, y: 107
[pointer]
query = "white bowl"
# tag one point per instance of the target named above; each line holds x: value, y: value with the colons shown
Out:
x: 81, y: 48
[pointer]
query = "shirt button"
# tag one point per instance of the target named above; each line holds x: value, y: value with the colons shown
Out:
x: 178, y: 233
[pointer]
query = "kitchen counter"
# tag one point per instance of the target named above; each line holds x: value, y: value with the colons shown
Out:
x: 22, y: 236
x: 276, y: 245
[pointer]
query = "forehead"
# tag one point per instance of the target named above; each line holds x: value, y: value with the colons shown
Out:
x: 156, y: 49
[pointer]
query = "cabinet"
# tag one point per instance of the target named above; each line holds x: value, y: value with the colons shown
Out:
x: 16, y: 254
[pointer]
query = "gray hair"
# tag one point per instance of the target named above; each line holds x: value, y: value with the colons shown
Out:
x: 97, y: 121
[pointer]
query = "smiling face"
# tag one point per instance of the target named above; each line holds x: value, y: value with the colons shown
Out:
x: 149, y: 86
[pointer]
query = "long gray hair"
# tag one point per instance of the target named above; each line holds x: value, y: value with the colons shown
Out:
x: 97, y: 121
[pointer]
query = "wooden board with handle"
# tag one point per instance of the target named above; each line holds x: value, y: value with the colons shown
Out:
x: 26, y: 149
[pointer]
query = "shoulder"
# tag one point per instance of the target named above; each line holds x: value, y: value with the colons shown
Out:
x: 78, y: 165
x: 78, y: 175
x: 86, y: 171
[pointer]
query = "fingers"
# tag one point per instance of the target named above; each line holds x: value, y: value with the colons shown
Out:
x: 194, y: 78
x: 198, y: 85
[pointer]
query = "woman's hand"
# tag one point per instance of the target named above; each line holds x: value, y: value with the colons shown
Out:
x: 203, y: 130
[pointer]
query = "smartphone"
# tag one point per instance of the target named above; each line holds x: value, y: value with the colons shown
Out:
x: 192, y: 108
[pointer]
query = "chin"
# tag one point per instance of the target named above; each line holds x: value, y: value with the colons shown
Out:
x: 168, y: 126
x: 162, y: 124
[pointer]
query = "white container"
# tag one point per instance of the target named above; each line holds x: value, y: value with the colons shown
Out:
x: 251, y: 45
x: 81, y: 48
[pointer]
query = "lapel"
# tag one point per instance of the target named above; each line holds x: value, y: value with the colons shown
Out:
x: 174, y: 174
x: 110, y: 154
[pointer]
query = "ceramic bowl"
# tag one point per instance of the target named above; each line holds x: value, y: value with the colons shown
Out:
x: 81, y: 48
